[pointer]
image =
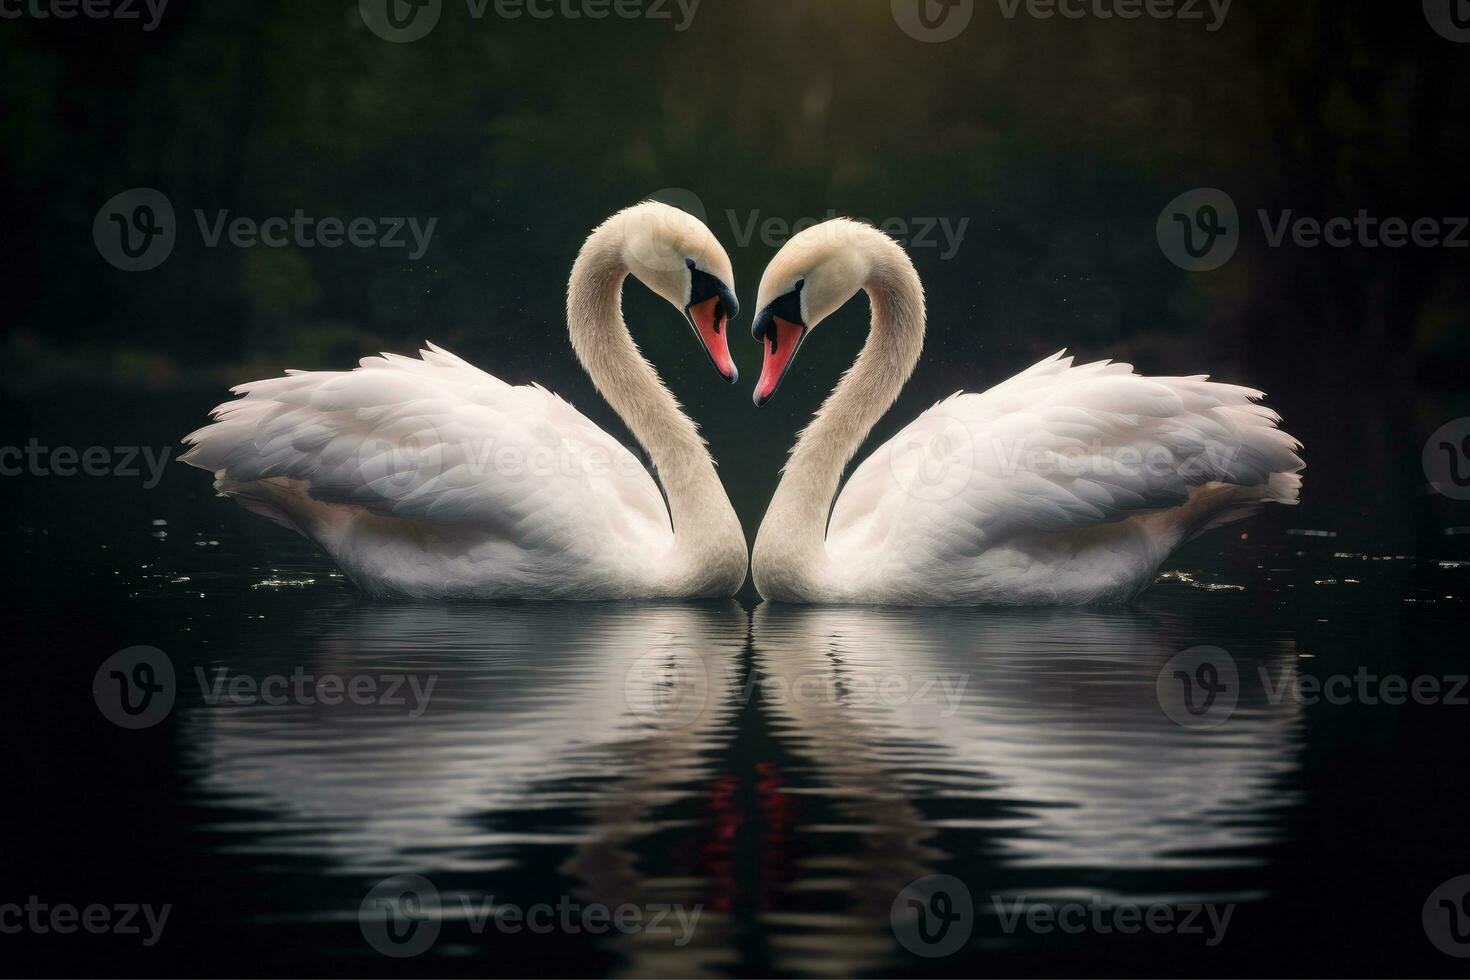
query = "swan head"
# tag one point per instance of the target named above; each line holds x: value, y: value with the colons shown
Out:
x: 674, y: 254
x: 812, y: 277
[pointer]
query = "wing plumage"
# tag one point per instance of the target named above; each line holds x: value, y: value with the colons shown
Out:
x: 437, y: 441
x: 1062, y: 448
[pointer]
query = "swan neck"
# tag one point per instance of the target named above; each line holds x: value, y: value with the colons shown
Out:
x: 790, y: 551
x: 704, y: 522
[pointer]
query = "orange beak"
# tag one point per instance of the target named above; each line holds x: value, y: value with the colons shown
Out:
x: 710, y: 322
x: 782, y: 339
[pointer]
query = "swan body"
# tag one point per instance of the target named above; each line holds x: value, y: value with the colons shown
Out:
x: 1067, y: 484
x: 429, y: 477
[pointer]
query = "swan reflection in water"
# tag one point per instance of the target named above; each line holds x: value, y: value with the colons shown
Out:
x: 550, y: 729
x: 797, y: 766
x: 1023, y: 751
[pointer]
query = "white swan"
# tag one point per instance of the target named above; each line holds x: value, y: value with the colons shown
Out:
x: 1063, y: 485
x: 432, y: 478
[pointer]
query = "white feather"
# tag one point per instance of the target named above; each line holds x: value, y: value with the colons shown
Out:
x: 483, y: 480
x: 1040, y: 465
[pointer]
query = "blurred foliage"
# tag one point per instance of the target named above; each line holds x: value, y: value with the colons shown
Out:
x: 1059, y: 140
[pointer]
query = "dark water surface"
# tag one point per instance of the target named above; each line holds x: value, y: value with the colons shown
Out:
x: 777, y: 776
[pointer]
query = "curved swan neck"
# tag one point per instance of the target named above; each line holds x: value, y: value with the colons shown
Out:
x: 790, y: 551
x: 703, y: 518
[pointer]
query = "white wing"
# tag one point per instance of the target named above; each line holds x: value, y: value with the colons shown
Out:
x: 439, y: 442
x: 1060, y: 448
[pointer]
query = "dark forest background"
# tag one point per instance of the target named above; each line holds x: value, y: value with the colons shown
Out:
x: 1059, y: 140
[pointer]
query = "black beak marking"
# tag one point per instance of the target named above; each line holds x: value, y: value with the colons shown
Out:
x: 787, y: 307
x: 702, y: 287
